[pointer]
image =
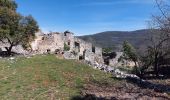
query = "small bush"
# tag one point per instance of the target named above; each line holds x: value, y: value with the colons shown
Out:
x: 66, y: 47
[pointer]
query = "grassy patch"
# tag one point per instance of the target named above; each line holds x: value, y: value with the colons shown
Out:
x: 45, y: 77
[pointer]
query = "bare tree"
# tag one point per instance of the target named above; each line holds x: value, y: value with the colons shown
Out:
x: 159, y: 47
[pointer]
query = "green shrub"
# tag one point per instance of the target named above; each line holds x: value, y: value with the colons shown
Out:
x: 66, y: 47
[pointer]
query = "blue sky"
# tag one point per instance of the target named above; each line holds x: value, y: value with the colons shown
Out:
x: 89, y: 16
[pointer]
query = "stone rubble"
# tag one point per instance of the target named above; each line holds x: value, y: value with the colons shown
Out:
x: 122, y: 75
x: 116, y: 72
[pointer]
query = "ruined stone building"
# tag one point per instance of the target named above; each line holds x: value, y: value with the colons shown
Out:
x: 78, y: 48
x: 69, y: 46
x: 47, y: 42
x: 56, y: 42
x: 122, y: 63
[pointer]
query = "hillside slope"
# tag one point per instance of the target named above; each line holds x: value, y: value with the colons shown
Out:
x: 44, y: 77
x: 116, y: 38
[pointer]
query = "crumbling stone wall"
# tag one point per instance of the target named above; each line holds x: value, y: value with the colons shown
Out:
x: 38, y: 39
x: 58, y: 39
x: 86, y: 51
x: 90, y: 56
x: 48, y: 42
x: 98, y: 55
x: 79, y: 48
x: 68, y: 39
x: 54, y: 41
x: 83, y: 45
x: 123, y: 63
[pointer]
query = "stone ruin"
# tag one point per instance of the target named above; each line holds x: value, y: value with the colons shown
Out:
x: 55, y: 42
x: 124, y: 63
x: 78, y: 49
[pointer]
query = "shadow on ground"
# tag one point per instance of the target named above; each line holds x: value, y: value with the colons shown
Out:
x: 91, y: 97
x: 162, y: 88
x: 5, y: 54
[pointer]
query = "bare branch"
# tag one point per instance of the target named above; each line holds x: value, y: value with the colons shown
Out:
x: 161, y: 9
x: 2, y: 41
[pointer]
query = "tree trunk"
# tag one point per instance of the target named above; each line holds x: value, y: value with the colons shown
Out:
x: 9, y: 50
x: 156, y: 64
x: 136, y: 68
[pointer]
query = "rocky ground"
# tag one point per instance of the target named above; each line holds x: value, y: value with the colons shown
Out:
x: 131, y: 87
x: 123, y: 90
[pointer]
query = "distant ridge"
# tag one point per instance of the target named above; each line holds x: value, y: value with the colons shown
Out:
x: 137, y: 38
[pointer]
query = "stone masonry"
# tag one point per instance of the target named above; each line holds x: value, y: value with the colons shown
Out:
x: 78, y: 48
